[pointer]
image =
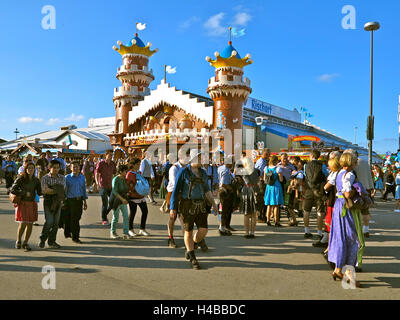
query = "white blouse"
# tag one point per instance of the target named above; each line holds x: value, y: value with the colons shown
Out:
x: 332, y: 178
x: 347, y: 181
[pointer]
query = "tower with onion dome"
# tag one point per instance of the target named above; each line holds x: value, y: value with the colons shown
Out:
x: 135, y: 77
x: 229, y: 91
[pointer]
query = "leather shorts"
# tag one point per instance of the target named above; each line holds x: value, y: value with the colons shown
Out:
x: 193, y: 212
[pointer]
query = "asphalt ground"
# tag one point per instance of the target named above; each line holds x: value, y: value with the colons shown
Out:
x: 278, y: 264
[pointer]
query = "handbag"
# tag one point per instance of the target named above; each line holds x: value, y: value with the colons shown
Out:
x: 142, y: 186
x: 14, y: 198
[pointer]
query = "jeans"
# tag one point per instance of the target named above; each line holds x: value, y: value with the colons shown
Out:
x: 125, y: 219
x: 105, y: 194
x: 50, y: 227
x: 133, y: 209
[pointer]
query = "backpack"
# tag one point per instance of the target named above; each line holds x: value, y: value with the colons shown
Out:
x: 270, y: 179
x: 166, y: 170
x: 194, y: 181
x: 147, y: 168
x: 142, y: 186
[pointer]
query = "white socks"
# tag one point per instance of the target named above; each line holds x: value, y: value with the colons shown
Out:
x: 306, y: 230
x: 365, y: 229
x: 320, y: 233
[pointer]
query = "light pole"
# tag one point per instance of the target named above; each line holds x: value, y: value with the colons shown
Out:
x: 355, y: 135
x: 398, y: 119
x: 16, y: 133
x: 371, y: 26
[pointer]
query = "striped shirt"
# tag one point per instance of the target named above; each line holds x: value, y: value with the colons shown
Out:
x: 49, y: 181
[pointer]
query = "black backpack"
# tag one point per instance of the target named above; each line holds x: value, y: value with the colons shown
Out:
x: 269, y: 178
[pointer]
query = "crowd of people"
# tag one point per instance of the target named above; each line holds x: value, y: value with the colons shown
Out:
x: 341, y: 188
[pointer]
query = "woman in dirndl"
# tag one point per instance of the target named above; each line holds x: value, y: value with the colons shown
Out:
x: 27, y: 187
x: 248, y: 193
x: 273, y: 197
x: 345, y: 244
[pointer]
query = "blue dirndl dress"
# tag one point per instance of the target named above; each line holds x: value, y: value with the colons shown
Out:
x: 379, y: 184
x: 273, y: 194
x: 397, y: 187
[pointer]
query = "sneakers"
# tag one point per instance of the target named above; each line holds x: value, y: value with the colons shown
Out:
x: 114, y: 235
x: 54, y: 245
x: 132, y: 233
x: 230, y: 228
x: 143, y: 232
x: 105, y: 223
x: 77, y: 241
x: 127, y: 237
x: 41, y: 244
x: 18, y: 245
x: 308, y: 236
x: 366, y: 235
x: 171, y: 243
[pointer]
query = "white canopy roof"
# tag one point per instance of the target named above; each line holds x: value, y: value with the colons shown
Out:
x: 171, y: 96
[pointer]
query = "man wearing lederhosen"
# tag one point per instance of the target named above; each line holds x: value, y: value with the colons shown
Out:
x: 190, y: 193
x: 172, y: 175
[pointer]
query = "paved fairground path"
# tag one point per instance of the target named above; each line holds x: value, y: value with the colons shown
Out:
x: 277, y: 264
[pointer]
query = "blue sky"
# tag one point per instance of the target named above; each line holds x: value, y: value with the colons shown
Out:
x: 302, y: 57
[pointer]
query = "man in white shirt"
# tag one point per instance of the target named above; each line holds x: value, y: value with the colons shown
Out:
x: 173, y: 172
x: 146, y: 171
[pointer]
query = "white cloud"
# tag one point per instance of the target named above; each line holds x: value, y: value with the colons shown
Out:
x: 327, y: 77
x: 213, y: 25
x: 241, y: 19
x: 74, y: 117
x: 29, y: 120
x: 53, y: 121
x: 189, y: 22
